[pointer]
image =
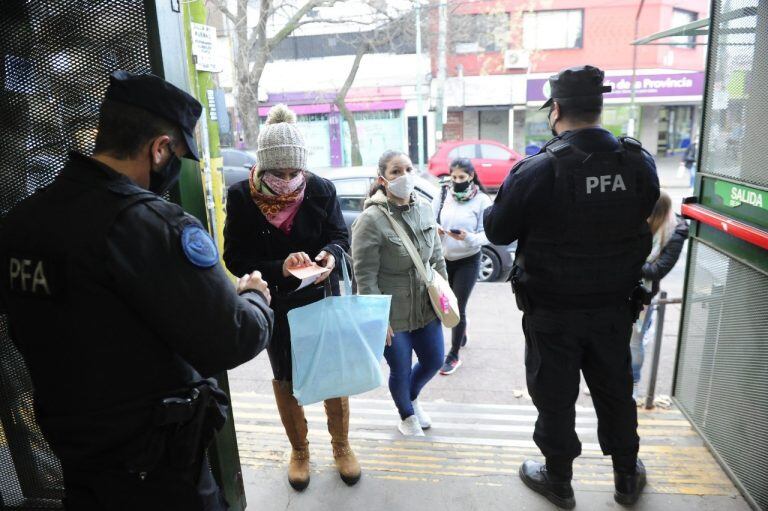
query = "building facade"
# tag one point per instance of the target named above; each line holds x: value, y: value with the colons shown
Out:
x: 383, y: 102
x: 307, y: 69
x: 516, y: 46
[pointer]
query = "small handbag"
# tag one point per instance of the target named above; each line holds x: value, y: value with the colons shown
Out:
x: 440, y: 293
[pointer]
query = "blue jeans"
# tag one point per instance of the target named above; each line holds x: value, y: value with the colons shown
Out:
x: 405, y: 382
x: 637, y: 343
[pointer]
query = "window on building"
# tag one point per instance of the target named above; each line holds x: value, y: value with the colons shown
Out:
x: 477, y: 33
x: 550, y: 30
x: 682, y: 17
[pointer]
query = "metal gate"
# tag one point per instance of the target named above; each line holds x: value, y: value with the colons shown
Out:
x: 721, y: 379
x: 55, y: 59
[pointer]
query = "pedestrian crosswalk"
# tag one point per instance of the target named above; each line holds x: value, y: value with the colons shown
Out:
x: 478, y: 441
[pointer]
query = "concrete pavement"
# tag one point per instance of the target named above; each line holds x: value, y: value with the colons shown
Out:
x: 468, y: 460
x: 483, y: 422
x: 482, y: 432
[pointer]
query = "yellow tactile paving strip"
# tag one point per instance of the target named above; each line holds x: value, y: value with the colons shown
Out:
x: 480, y: 442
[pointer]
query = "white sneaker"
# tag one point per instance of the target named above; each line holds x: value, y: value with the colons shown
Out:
x: 418, y: 411
x: 410, y: 427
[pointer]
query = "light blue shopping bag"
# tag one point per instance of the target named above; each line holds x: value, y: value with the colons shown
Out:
x: 337, y: 344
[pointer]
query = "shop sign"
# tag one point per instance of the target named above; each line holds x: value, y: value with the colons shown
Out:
x: 734, y: 195
x: 657, y: 85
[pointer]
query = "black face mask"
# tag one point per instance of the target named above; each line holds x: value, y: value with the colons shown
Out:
x: 461, y: 187
x: 551, y: 126
x: 162, y: 179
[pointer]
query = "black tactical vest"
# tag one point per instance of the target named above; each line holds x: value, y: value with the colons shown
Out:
x: 599, y: 238
x: 58, y: 295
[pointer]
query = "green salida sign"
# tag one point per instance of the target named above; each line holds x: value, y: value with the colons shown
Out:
x: 734, y: 195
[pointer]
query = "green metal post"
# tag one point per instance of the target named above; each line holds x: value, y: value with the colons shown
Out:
x: 203, y: 83
x: 223, y: 454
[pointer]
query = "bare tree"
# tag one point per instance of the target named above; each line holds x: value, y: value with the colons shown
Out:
x: 394, y: 29
x: 254, y: 46
x: 357, y: 157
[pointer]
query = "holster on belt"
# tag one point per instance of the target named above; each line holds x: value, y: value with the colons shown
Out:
x: 522, y: 298
x: 640, y: 298
x: 183, y: 426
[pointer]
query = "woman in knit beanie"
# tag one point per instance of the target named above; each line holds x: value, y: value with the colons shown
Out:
x: 284, y: 217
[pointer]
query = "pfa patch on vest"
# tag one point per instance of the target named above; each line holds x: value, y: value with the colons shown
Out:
x: 32, y: 275
x: 603, y: 184
x: 198, y: 246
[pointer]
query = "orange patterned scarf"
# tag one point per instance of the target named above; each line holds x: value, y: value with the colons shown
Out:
x: 279, y: 210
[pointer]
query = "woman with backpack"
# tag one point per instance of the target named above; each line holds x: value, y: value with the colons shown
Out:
x: 459, y: 211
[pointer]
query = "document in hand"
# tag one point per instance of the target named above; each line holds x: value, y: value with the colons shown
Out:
x: 308, y: 274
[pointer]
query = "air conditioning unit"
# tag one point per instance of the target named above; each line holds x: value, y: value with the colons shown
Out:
x: 516, y: 59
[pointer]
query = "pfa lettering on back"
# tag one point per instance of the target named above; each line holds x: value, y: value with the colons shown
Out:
x: 595, y: 184
x: 32, y: 276
x: 604, y: 183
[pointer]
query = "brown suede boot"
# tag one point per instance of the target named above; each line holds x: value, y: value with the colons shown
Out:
x: 337, y: 410
x: 295, y: 426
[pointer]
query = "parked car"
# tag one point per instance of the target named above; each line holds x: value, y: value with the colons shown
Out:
x: 237, y: 164
x: 352, y: 187
x: 491, y: 159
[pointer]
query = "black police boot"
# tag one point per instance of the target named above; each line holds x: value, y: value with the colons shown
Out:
x: 556, y: 489
x: 629, y: 484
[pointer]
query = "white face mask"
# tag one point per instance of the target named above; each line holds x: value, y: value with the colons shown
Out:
x: 403, y: 186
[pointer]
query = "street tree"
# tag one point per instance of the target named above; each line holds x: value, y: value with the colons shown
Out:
x: 254, y: 44
x: 394, y: 31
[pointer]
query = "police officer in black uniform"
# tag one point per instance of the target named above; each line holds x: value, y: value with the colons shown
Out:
x: 578, y: 210
x: 122, y: 312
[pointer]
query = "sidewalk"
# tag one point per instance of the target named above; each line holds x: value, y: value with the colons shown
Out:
x: 667, y: 168
x: 482, y: 432
x: 468, y: 460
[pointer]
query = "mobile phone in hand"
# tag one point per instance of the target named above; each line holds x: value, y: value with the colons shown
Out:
x: 455, y: 231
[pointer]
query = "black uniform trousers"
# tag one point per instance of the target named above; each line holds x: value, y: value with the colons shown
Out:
x: 163, y: 489
x: 559, y: 344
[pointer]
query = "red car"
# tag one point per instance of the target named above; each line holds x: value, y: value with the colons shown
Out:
x: 491, y: 159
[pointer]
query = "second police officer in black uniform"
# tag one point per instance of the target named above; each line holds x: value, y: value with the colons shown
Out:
x: 578, y: 210
x: 122, y: 312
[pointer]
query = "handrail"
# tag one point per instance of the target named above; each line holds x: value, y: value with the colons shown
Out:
x: 660, y: 304
x: 735, y: 228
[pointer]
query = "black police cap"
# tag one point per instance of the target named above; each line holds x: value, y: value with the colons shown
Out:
x: 153, y: 94
x: 582, y: 86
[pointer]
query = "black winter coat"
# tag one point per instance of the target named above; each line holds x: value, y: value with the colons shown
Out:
x: 251, y: 243
x: 668, y: 257
x: 123, y: 313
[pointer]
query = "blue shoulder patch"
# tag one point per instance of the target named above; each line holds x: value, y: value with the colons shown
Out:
x: 199, y: 247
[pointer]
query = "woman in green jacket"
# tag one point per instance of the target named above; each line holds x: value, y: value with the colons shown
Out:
x: 383, y: 266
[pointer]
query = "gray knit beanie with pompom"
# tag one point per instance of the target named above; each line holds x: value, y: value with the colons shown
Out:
x: 281, y: 145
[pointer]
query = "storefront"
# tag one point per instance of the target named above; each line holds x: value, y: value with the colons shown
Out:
x: 483, y: 107
x: 380, y: 126
x: 668, y: 109
x: 377, y: 131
